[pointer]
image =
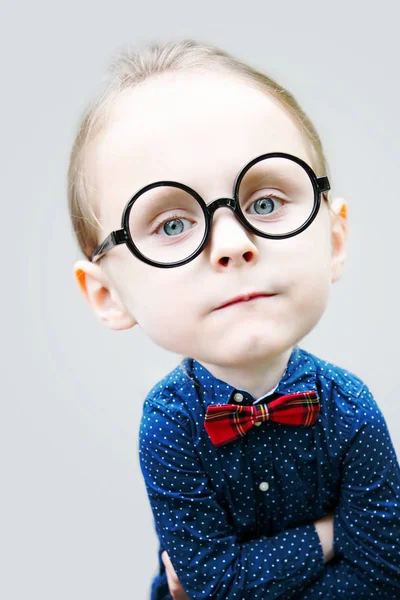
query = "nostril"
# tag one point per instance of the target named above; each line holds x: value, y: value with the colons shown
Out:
x: 248, y: 256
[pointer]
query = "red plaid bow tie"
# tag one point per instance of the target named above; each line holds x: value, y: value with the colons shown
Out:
x: 225, y: 423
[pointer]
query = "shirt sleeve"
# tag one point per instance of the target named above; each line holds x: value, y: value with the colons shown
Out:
x: 193, y: 527
x: 367, y: 519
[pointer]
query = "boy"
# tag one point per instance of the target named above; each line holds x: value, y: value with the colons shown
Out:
x: 301, y: 502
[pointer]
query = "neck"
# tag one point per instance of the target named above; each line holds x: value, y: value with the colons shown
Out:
x: 257, y: 379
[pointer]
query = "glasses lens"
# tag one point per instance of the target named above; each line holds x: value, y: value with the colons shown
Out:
x: 166, y: 224
x: 276, y: 196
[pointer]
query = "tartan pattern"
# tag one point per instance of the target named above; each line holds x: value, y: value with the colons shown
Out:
x: 225, y: 423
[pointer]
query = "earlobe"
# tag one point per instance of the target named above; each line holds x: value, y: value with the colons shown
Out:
x: 339, y: 236
x: 102, y: 296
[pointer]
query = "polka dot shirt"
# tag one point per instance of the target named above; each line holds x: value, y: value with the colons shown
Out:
x: 237, y: 520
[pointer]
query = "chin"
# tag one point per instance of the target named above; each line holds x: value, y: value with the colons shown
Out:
x: 254, y: 348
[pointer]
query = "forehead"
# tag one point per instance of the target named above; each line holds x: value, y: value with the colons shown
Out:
x: 199, y: 128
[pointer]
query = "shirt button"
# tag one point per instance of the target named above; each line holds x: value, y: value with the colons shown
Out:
x: 264, y: 485
x: 257, y: 423
x: 238, y: 397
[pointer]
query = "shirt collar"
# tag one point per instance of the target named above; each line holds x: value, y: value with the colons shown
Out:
x: 299, y: 376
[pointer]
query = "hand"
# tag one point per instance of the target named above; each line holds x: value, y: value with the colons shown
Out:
x: 175, y: 588
x: 324, y: 529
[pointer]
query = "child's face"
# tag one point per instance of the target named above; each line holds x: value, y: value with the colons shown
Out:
x: 201, y: 129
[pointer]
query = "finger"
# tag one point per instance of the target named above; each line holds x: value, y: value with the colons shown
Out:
x: 175, y: 588
x: 166, y: 560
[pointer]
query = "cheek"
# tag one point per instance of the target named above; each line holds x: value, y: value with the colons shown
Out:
x: 309, y: 276
x: 167, y: 321
x: 158, y: 299
x: 154, y: 301
x: 142, y: 288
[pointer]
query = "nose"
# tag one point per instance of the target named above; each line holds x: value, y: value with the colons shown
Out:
x: 230, y: 243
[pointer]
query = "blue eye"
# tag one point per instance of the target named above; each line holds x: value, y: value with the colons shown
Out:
x: 265, y: 206
x: 173, y: 227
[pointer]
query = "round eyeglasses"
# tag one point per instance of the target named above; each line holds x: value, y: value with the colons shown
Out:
x: 167, y: 224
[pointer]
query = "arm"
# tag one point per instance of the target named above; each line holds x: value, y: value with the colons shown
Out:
x: 193, y: 528
x: 324, y: 529
x: 367, y: 520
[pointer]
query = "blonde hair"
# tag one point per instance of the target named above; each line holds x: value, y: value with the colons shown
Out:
x: 128, y: 70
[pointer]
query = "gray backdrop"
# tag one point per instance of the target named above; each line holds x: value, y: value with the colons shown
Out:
x: 75, y: 522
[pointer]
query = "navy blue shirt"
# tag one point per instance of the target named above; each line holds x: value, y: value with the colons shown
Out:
x: 237, y: 520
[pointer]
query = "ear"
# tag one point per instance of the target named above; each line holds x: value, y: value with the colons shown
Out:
x: 102, y: 296
x: 338, y: 214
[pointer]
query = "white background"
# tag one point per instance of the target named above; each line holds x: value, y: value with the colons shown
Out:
x: 75, y: 521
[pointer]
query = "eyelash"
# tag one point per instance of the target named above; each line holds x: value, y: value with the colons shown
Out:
x: 268, y: 195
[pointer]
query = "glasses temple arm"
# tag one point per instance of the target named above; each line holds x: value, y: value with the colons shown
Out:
x: 323, y: 184
x: 114, y: 239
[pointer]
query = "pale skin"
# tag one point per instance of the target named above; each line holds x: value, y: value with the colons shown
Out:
x: 201, y: 128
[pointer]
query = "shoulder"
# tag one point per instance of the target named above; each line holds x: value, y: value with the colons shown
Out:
x: 343, y: 381
x: 167, y: 430
x: 344, y: 394
x: 173, y: 397
x: 335, y: 378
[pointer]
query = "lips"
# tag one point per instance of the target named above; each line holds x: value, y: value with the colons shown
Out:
x: 244, y: 298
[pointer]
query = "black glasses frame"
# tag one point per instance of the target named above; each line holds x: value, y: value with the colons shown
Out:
x: 122, y: 236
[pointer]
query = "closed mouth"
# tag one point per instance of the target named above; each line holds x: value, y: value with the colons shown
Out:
x: 245, y: 298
